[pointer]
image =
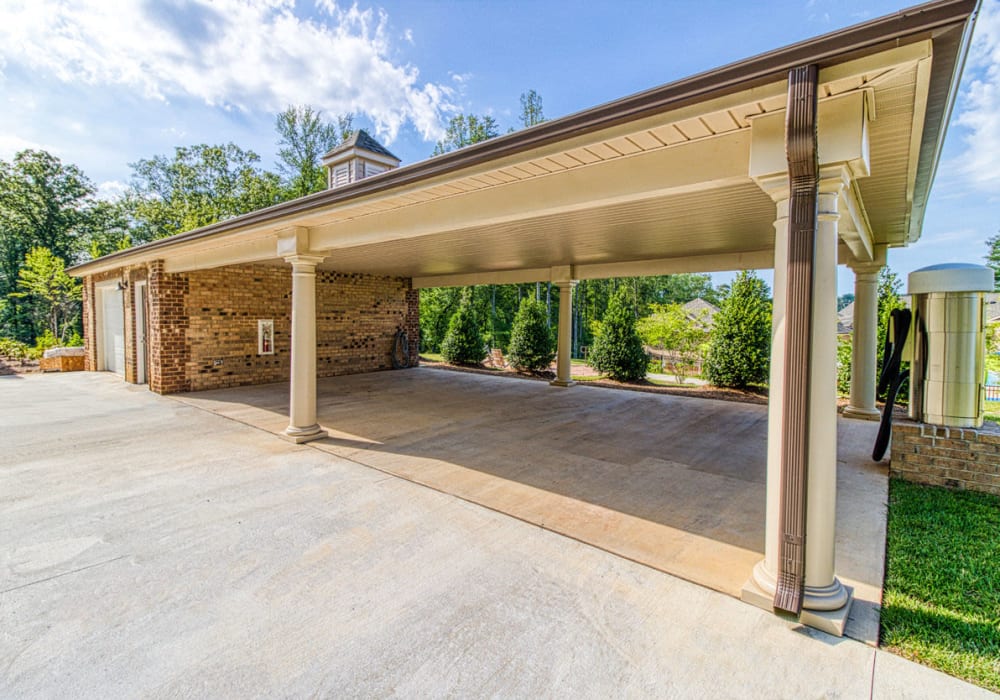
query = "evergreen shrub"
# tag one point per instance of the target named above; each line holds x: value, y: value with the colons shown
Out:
x: 531, y: 346
x: 617, y: 351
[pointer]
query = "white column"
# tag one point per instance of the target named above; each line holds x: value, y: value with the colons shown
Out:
x: 565, y: 334
x: 823, y: 591
x: 302, y: 425
x: 761, y: 587
x: 864, y: 347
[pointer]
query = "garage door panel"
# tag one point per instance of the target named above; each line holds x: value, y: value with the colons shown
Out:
x: 113, y: 330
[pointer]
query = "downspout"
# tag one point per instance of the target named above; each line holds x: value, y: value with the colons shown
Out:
x: 803, y: 180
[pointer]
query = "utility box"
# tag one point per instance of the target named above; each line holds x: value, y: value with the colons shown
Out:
x: 948, y: 343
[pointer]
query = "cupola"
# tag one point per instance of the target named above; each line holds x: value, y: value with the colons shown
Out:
x: 358, y: 157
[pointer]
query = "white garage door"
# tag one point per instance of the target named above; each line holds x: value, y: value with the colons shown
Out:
x: 113, y: 330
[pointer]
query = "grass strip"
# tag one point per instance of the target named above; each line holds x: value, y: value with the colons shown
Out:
x: 941, y: 605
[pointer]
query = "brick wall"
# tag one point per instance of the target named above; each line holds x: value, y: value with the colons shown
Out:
x: 223, y: 307
x: 412, y: 324
x: 168, y: 347
x: 962, y: 458
x: 202, y: 325
x: 357, y: 317
x: 89, y: 325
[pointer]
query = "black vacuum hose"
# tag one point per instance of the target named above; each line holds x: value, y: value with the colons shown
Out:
x: 401, y: 350
x: 891, y: 378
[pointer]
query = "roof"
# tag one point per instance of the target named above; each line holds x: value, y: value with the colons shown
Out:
x: 653, y: 183
x: 361, y: 140
x: 696, y: 307
x: 845, y: 319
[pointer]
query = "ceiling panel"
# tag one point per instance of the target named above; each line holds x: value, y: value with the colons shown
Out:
x: 680, y: 226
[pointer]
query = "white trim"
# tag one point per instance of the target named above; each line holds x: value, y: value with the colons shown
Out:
x: 139, y: 338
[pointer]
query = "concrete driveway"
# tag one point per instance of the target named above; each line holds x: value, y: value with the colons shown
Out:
x: 150, y: 548
x: 672, y: 482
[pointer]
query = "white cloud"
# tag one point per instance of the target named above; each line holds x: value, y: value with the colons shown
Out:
x: 980, y: 113
x: 111, y: 190
x: 12, y: 143
x: 237, y: 54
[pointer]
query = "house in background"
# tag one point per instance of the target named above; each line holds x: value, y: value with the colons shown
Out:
x: 701, y: 312
x: 845, y: 320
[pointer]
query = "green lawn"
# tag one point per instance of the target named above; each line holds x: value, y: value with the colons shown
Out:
x: 942, y: 587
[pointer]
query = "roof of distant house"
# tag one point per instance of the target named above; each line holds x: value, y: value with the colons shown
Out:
x: 845, y: 320
x: 701, y: 310
x: 696, y: 306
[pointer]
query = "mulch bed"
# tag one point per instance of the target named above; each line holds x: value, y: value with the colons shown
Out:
x: 11, y: 366
x: 706, y: 392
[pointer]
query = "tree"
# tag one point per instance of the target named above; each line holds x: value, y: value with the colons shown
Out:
x: 303, y: 138
x: 740, y: 345
x: 437, y: 306
x: 844, y: 351
x: 107, y: 229
x: 200, y: 185
x: 43, y: 203
x: 531, y: 346
x: 464, y: 344
x: 531, y: 108
x: 54, y: 296
x: 993, y: 259
x: 466, y: 130
x: 670, y: 329
x: 844, y: 300
x: 617, y: 350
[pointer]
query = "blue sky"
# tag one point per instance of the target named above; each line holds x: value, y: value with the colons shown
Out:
x: 103, y: 84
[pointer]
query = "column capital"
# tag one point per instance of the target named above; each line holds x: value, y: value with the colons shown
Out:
x: 310, y: 260
x: 561, y: 273
x: 864, y: 270
x: 869, y: 267
x: 566, y: 284
x: 833, y: 179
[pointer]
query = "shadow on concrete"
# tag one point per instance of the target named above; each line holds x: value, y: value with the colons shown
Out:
x: 672, y: 482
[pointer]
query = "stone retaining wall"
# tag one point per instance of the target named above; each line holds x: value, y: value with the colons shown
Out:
x: 961, y: 458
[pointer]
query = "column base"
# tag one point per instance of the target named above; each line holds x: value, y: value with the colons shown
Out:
x: 829, y: 621
x: 300, y: 435
x: 562, y: 382
x: 759, y: 588
x: 862, y: 413
x: 825, y: 609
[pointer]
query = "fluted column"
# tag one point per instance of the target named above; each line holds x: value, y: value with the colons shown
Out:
x: 302, y: 425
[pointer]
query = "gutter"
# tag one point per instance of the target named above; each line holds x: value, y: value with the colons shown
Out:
x: 909, y: 25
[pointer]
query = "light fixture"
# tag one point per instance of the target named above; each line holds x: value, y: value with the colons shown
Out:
x: 122, y: 285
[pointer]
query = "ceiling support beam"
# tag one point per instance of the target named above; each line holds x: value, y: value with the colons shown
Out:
x: 749, y: 260
x: 855, y: 231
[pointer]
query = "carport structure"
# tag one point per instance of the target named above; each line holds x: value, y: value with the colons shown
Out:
x: 810, y: 156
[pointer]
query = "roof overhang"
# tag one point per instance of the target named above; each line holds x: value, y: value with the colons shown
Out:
x: 653, y: 183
